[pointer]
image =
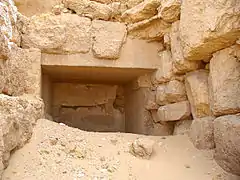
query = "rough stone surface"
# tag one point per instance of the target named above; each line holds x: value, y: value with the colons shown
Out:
x: 142, y: 147
x: 22, y: 72
x: 227, y: 139
x: 66, y: 33
x: 172, y: 92
x: 89, y: 8
x: 182, y: 127
x: 224, y: 81
x: 165, y: 70
x: 142, y: 11
x: 180, y: 63
x: 18, y: 115
x: 208, y: 26
x: 108, y: 38
x: 196, y: 83
x: 169, y: 10
x: 201, y: 133
x: 174, y: 112
x: 149, y: 29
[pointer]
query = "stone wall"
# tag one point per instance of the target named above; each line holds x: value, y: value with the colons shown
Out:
x: 196, y: 58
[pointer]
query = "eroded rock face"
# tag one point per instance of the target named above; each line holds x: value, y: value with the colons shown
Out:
x: 227, y: 139
x: 172, y: 92
x: 108, y: 39
x: 66, y: 33
x: 22, y: 72
x: 142, y: 11
x: 196, y: 83
x: 174, y: 112
x: 201, y: 133
x: 181, y: 65
x: 88, y: 8
x: 18, y: 115
x: 169, y: 10
x: 182, y: 127
x: 224, y: 81
x: 208, y: 26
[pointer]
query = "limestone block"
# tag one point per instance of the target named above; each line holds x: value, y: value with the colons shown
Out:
x: 151, y: 101
x: 174, y: 112
x: 142, y: 11
x: 208, y: 26
x: 169, y: 10
x: 149, y: 29
x: 23, y: 72
x: 227, y: 139
x: 224, y: 81
x: 196, y: 83
x: 182, y: 127
x: 173, y: 91
x: 66, y: 33
x: 180, y: 63
x: 108, y: 38
x: 71, y: 94
x: 201, y: 133
x: 165, y: 71
x: 88, y: 8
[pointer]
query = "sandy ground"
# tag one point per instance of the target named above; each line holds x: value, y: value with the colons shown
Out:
x: 58, y: 152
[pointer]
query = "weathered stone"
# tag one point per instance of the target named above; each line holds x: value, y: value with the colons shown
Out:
x: 180, y: 63
x: 108, y: 38
x: 172, y: 92
x: 151, y: 101
x: 142, y: 147
x: 197, y: 91
x: 142, y: 11
x: 174, y: 112
x: 224, y: 81
x: 201, y: 133
x: 150, y: 29
x: 208, y: 26
x: 89, y: 8
x: 182, y: 127
x: 227, y: 139
x: 165, y: 71
x: 167, y: 40
x: 18, y: 115
x: 65, y: 33
x: 169, y: 10
x: 23, y: 72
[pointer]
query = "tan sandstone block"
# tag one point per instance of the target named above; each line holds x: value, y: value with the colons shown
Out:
x: 66, y: 33
x: 108, y: 39
x: 182, y: 127
x: 23, y: 72
x: 149, y: 29
x: 169, y: 10
x: 196, y: 83
x: 224, y: 81
x: 227, y: 139
x: 173, y: 91
x: 201, y: 133
x: 207, y: 26
x: 174, y: 112
x: 142, y: 11
x: 180, y: 63
x: 88, y: 8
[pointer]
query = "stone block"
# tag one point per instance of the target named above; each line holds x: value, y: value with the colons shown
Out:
x: 108, y: 39
x: 182, y: 127
x: 207, y: 26
x: 180, y: 63
x: 173, y: 91
x: 174, y: 112
x: 196, y: 83
x: 224, y: 81
x: 142, y: 11
x: 227, y: 140
x: 201, y: 133
x: 169, y: 10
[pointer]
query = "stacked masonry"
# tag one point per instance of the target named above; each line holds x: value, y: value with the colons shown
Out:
x: 196, y: 85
